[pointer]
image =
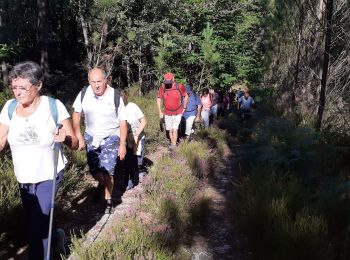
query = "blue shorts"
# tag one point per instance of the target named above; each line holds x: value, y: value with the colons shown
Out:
x: 104, y: 158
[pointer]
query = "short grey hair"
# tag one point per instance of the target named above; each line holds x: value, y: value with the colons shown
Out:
x: 27, y: 70
x: 103, y: 71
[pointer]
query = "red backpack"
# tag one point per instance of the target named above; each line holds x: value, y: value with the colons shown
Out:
x: 171, y: 94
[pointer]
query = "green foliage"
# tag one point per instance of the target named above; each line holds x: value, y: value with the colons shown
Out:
x: 4, y: 96
x: 8, y: 50
x: 164, y: 54
x: 9, y: 195
x: 105, y: 3
x: 292, y: 196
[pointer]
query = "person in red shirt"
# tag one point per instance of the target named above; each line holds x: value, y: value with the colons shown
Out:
x: 175, y: 98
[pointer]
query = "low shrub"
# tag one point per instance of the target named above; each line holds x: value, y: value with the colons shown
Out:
x: 169, y: 202
x: 293, y: 195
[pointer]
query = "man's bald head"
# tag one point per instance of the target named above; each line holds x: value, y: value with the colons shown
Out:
x: 98, y: 81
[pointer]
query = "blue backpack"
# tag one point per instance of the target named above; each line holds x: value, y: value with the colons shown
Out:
x: 52, y: 103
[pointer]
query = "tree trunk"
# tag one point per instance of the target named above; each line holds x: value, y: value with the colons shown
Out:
x: 43, y: 36
x: 140, y: 71
x: 84, y: 26
x: 4, y: 72
x: 326, y: 55
x: 201, y: 77
x: 297, y: 64
x: 127, y: 61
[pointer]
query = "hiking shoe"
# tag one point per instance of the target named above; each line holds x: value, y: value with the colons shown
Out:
x: 130, y: 185
x: 59, y: 249
x: 109, y: 206
x: 141, y: 176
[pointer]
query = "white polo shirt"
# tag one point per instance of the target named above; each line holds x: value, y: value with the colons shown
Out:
x: 101, y: 119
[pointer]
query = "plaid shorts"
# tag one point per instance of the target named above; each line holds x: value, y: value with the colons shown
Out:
x: 104, y: 158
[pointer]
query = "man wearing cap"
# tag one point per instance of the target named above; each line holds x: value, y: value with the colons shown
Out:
x: 193, y: 110
x: 175, y: 100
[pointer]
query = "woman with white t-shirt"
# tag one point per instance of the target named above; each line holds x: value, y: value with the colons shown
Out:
x: 135, y: 141
x: 30, y: 129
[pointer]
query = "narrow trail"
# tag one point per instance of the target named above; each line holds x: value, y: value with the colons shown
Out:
x: 217, y: 236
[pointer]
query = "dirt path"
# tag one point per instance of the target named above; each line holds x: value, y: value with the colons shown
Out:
x: 216, y: 236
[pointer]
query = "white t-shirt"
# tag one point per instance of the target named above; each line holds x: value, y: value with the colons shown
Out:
x: 101, y: 119
x: 134, y: 115
x: 30, y: 140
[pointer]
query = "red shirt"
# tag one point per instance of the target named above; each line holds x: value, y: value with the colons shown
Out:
x: 172, y: 99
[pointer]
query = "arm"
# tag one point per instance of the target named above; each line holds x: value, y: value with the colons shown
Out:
x: 159, y: 105
x: 4, y: 129
x: 123, y: 132
x: 66, y: 135
x: 143, y: 123
x: 198, y: 115
x: 76, y: 128
x: 185, y: 102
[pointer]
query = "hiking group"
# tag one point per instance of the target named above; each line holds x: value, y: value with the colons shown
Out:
x: 180, y: 107
x: 113, y: 134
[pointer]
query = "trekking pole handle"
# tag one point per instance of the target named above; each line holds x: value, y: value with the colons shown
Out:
x: 56, y: 144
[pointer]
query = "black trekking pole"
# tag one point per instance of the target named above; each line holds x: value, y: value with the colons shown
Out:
x: 56, y: 147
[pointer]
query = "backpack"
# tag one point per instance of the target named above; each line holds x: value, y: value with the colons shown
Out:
x: 170, y: 94
x: 52, y: 104
x: 116, y: 97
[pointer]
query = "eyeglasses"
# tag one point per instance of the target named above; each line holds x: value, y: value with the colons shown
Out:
x: 21, y: 88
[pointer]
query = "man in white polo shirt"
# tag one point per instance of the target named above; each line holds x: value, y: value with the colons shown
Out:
x: 105, y: 130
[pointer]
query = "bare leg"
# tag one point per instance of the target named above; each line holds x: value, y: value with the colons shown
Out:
x: 99, y: 177
x: 173, y: 136
x: 109, y: 183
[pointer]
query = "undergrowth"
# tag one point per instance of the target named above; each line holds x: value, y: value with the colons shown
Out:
x: 293, y: 193
x: 162, y: 224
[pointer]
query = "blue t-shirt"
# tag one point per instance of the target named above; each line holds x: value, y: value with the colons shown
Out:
x: 246, y: 104
x: 193, y: 102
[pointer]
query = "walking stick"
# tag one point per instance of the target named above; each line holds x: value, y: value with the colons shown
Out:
x: 56, y: 147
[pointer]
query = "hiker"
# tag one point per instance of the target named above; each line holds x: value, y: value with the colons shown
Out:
x: 244, y: 105
x: 105, y: 131
x: 215, y: 103
x: 171, y: 93
x: 226, y: 103
x: 206, y: 105
x: 28, y: 124
x: 192, y: 113
x: 239, y: 94
x: 136, y: 121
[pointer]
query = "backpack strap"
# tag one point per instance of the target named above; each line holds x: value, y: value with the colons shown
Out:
x: 82, y: 93
x: 52, y: 104
x: 11, y: 108
x: 53, y: 109
x: 116, y: 99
